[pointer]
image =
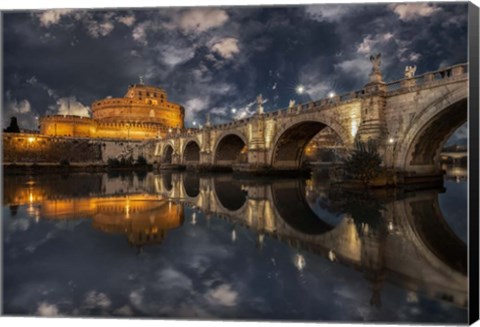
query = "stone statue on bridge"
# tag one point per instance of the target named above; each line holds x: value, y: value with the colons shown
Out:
x: 375, y: 76
x: 208, y: 122
x: 260, y: 104
x: 376, y: 61
x: 410, y: 71
x: 291, y: 104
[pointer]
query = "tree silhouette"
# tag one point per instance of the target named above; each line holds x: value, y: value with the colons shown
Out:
x: 363, y: 162
x: 13, y: 127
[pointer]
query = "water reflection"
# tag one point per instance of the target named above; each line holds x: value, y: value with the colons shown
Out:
x: 397, y: 239
x: 455, y: 172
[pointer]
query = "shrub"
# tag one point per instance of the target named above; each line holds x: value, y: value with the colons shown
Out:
x: 364, y: 162
x: 113, y: 163
x: 141, y: 161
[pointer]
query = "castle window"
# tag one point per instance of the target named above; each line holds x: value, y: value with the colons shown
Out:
x: 140, y: 93
x: 148, y: 94
x: 154, y: 94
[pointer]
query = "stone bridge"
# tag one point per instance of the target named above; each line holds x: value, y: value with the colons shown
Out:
x: 454, y: 155
x: 409, y: 118
x: 411, y: 246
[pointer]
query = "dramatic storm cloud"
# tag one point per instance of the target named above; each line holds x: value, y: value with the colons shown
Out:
x: 218, y: 60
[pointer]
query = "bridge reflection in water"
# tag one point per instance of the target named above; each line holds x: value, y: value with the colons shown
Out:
x: 403, y: 239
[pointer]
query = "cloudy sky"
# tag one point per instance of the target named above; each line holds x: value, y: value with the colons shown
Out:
x: 217, y: 59
x: 200, y: 270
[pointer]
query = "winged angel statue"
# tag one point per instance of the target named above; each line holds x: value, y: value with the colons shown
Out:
x: 376, y: 61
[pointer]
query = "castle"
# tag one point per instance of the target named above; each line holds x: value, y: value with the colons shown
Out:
x: 143, y: 113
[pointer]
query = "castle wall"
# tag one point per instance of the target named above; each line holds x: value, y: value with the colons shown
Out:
x: 37, y: 148
x: 112, y: 110
x: 67, y: 126
x: 75, y: 126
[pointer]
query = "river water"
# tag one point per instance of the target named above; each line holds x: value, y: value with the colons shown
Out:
x: 216, y: 247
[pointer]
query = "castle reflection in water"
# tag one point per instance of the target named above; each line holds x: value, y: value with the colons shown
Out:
x: 402, y: 239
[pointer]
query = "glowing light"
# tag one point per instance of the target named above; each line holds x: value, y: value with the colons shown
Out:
x: 31, y: 139
x: 169, y: 130
x: 300, y: 89
x: 127, y: 209
x: 354, y: 128
x: 331, y: 94
x: 194, y: 218
x: 391, y: 140
x: 300, y: 262
x: 331, y: 256
x: 390, y: 226
x: 194, y: 123
x: 234, y: 111
x: 234, y: 235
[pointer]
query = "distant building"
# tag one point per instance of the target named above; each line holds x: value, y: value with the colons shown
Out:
x: 144, y: 112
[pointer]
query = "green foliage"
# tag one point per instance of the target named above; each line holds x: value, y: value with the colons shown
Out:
x: 141, y: 161
x: 363, y: 162
x: 13, y: 127
x: 126, y: 162
x: 113, y: 163
x: 122, y: 163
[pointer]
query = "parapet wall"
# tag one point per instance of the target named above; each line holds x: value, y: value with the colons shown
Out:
x: 123, y: 109
x: 75, y: 126
x: 22, y: 148
x: 35, y: 148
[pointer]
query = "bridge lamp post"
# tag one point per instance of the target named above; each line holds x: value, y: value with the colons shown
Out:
x: 393, y: 143
x: 300, y: 89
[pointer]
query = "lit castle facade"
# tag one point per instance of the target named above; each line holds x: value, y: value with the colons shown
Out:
x: 144, y: 112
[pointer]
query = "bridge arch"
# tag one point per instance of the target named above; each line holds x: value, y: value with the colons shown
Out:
x: 290, y: 142
x: 191, y: 185
x: 291, y: 206
x: 424, y: 137
x: 167, y: 181
x: 191, y: 152
x: 167, y: 154
x: 229, y: 195
x: 230, y: 148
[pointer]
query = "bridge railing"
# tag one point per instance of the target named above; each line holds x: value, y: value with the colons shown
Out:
x: 454, y: 72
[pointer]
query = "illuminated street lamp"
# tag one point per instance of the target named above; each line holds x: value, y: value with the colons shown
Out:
x: 331, y: 94
x: 234, y: 111
x: 300, y: 89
